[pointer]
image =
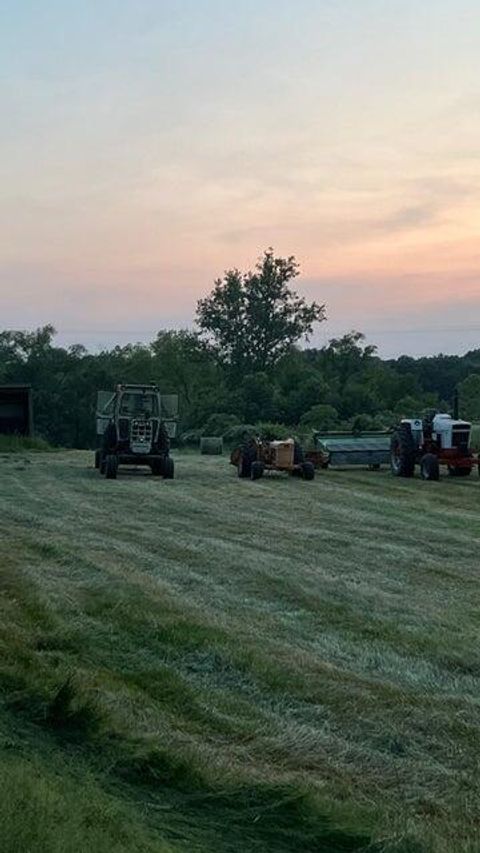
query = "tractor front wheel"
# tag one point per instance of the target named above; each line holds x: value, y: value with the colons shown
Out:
x: 429, y: 467
x: 111, y: 467
x: 157, y: 467
x: 168, y: 468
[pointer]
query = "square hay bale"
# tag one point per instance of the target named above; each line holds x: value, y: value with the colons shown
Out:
x: 211, y: 446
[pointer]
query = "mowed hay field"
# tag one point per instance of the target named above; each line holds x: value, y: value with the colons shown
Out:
x: 210, y: 664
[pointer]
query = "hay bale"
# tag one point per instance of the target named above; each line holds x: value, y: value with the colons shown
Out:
x: 211, y: 446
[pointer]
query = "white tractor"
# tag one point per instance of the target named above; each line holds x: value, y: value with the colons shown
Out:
x: 438, y: 439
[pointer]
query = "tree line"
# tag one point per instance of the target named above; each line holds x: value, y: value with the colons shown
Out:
x: 241, y: 366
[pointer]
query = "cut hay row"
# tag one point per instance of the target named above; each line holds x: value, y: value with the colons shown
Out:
x: 241, y: 666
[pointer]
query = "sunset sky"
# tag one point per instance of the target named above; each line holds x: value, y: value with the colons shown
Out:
x: 146, y: 146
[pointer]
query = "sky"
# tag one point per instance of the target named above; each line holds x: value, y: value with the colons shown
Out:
x: 148, y: 145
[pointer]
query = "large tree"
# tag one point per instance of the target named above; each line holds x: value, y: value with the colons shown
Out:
x: 252, y: 319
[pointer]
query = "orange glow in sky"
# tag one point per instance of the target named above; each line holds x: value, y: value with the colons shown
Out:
x: 148, y: 146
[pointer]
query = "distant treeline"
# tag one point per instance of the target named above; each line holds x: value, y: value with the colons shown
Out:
x: 342, y: 385
x: 242, y: 366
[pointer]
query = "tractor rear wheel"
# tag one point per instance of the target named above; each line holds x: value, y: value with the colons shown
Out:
x: 111, y: 467
x: 429, y: 467
x: 168, y: 468
x: 97, y: 458
x: 256, y: 470
x: 245, y: 461
x: 402, y: 450
x: 308, y: 471
x: 459, y: 472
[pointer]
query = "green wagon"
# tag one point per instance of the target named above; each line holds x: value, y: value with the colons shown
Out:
x: 372, y: 450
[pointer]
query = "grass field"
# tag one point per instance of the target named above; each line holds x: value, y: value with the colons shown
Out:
x: 209, y: 664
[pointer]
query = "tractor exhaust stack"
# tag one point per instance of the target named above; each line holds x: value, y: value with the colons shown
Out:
x: 455, y: 404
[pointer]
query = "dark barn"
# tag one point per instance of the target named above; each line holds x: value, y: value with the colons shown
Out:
x: 16, y: 410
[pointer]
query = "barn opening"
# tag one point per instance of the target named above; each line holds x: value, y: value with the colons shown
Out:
x: 16, y: 411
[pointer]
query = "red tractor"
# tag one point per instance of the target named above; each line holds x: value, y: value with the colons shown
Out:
x: 438, y: 439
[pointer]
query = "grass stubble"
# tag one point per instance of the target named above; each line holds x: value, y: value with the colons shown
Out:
x: 210, y: 663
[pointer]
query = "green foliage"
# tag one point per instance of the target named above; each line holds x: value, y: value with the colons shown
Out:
x: 218, y: 424
x: 345, y: 375
x: 252, y: 319
x: 366, y: 423
x: 191, y: 438
x: 321, y: 417
x: 469, y: 394
x: 410, y: 407
x: 475, y: 438
x: 256, y: 397
x: 236, y: 434
x: 274, y: 431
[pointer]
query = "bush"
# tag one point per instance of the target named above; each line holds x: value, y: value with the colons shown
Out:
x: 218, y: 424
x: 236, y: 434
x: 191, y: 438
x: 367, y: 423
x: 274, y: 431
x: 211, y: 445
x: 475, y: 437
x: 321, y: 417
